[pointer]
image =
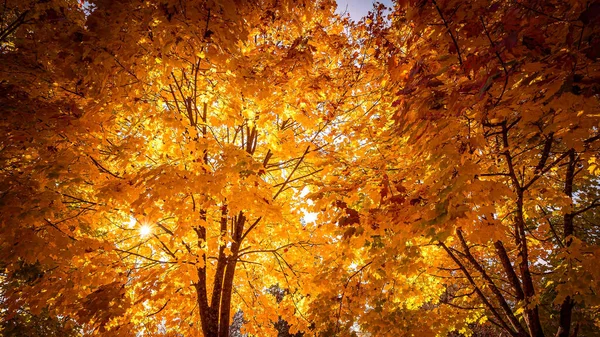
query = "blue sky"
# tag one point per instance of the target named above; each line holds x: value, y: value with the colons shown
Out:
x: 358, y: 8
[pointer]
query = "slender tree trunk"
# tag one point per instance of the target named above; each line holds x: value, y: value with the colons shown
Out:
x: 214, y: 316
x: 566, y: 308
x: 229, y: 276
x: 226, y: 298
x: 532, y: 316
x: 564, y: 322
x: 208, y: 322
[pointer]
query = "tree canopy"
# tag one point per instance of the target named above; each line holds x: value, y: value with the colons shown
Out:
x: 272, y: 168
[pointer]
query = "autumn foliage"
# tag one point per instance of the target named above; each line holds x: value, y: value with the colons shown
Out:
x: 217, y: 168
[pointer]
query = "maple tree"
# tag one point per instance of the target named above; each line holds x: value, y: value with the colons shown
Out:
x: 169, y: 144
x: 481, y: 204
x: 162, y: 158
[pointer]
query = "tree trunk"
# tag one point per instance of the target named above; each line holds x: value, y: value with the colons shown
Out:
x: 229, y: 275
x: 532, y: 316
x: 566, y: 308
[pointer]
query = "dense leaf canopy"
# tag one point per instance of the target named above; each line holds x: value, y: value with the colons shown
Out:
x: 269, y: 167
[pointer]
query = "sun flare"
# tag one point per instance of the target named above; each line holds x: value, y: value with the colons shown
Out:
x: 145, y: 230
